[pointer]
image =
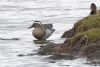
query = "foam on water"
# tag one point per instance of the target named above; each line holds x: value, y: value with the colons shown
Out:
x: 17, y: 15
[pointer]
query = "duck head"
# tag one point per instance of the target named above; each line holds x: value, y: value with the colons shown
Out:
x: 93, y: 9
x: 36, y: 24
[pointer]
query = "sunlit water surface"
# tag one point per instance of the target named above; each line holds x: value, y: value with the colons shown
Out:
x: 17, y: 15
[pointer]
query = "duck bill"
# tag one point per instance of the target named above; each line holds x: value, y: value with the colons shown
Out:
x: 29, y: 27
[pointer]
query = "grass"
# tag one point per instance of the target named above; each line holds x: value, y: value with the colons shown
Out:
x: 84, y: 24
x: 87, y: 23
x: 86, y: 31
x: 91, y: 35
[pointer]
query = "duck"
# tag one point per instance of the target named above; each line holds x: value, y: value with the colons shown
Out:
x: 42, y: 31
x: 93, y: 8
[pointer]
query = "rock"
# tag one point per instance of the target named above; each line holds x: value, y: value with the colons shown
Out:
x: 81, y: 41
x: 68, y: 34
x: 61, y: 57
x: 92, y: 52
x: 49, y: 49
x: 40, y: 41
x: 21, y: 55
x: 10, y: 39
x: 51, y: 61
x: 84, y: 24
x: 29, y: 54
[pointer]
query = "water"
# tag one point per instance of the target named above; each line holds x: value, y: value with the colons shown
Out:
x: 17, y: 15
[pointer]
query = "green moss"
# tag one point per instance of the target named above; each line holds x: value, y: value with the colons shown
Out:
x: 84, y: 24
x: 87, y: 23
x: 90, y: 36
x: 93, y: 35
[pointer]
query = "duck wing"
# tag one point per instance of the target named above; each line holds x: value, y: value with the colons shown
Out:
x: 49, y: 30
x: 49, y: 26
x: 48, y: 34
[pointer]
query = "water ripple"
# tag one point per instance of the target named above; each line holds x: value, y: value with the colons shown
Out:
x: 17, y: 15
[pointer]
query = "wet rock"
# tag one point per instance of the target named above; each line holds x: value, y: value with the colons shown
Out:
x: 31, y: 54
x: 51, y: 61
x: 60, y: 57
x: 40, y: 41
x: 68, y: 34
x: 92, y: 52
x: 15, y: 39
x: 10, y: 39
x: 21, y: 55
x: 49, y: 49
x: 54, y: 48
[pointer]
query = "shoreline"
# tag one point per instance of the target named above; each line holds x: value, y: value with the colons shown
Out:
x: 80, y: 39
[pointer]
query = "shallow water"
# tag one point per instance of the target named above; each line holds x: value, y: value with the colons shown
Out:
x: 17, y: 15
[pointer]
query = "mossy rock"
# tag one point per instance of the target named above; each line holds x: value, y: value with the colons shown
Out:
x: 68, y: 34
x: 87, y: 23
x: 83, y: 39
x: 92, y: 35
x: 84, y: 34
x: 50, y: 49
x: 92, y: 52
x: 84, y: 24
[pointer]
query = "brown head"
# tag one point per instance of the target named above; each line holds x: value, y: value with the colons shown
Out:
x: 93, y: 9
x: 36, y: 24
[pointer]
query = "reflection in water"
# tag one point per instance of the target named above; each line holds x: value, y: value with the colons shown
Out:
x: 17, y: 15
